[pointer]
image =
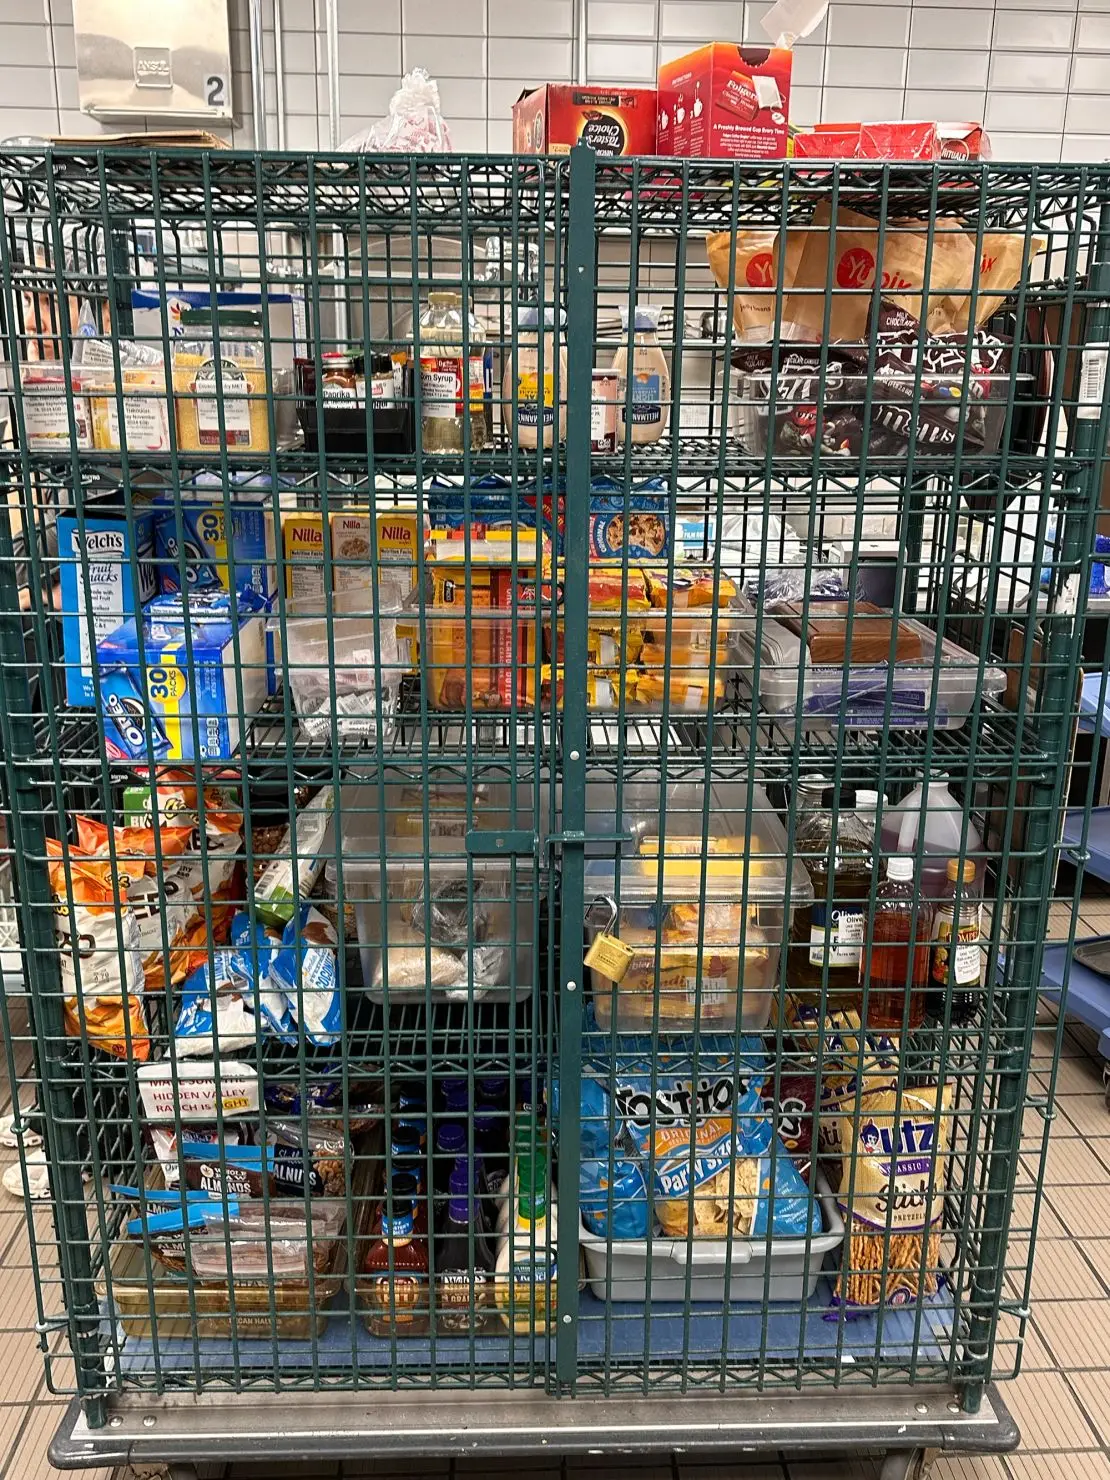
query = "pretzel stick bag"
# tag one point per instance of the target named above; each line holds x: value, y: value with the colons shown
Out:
x: 898, y: 1186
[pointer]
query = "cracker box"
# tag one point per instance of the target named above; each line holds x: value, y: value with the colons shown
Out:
x: 119, y: 560
x: 148, y: 669
x: 470, y: 647
x: 614, y: 121
x: 725, y: 101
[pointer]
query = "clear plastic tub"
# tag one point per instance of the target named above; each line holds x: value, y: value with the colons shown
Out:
x: 617, y: 1269
x: 351, y: 654
x: 430, y: 914
x: 713, y: 965
x: 822, y: 701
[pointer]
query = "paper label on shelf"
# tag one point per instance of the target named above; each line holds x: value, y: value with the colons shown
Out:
x: 1092, y: 382
x: 146, y: 423
x: 1067, y: 603
x: 837, y: 939
x: 46, y: 417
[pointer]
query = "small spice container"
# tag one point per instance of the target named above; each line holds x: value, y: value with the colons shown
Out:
x: 46, y: 408
x: 235, y: 378
x: 339, y: 377
x: 603, y: 411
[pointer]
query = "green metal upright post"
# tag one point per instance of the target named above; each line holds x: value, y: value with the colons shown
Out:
x: 1063, y: 625
x: 571, y: 755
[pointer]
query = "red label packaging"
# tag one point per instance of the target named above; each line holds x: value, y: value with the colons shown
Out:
x: 725, y: 102
x: 613, y: 121
x: 964, y: 141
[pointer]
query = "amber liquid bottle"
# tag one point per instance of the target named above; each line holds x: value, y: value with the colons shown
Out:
x: 830, y: 935
x: 898, y: 976
x: 396, y: 1300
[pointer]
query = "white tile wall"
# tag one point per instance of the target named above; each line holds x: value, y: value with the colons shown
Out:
x: 1038, y: 71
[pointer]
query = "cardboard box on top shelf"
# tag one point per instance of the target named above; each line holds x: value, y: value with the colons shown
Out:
x: 726, y: 101
x: 614, y: 121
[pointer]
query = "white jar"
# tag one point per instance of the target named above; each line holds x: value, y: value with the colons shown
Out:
x: 533, y: 405
x: 651, y: 378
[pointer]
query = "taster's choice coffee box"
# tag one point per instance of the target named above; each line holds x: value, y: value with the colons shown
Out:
x: 725, y: 101
x: 614, y: 121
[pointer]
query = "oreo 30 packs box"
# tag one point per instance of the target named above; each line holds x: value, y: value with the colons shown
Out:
x: 118, y: 559
x: 189, y: 689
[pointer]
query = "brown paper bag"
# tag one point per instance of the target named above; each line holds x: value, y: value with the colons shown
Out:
x: 806, y: 265
x: 746, y: 262
x: 1001, y: 267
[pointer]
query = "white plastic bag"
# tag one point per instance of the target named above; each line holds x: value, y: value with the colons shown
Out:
x: 414, y: 125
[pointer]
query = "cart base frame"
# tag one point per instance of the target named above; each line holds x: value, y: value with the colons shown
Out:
x: 181, y: 1428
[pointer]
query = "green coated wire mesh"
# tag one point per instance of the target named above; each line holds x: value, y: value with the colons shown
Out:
x: 414, y: 570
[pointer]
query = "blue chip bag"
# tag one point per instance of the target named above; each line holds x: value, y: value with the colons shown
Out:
x: 304, y: 969
x: 624, y: 1184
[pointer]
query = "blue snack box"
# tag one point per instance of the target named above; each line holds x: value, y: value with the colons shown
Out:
x: 177, y: 689
x: 116, y: 557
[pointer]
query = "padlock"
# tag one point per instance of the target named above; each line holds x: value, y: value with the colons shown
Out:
x: 607, y: 955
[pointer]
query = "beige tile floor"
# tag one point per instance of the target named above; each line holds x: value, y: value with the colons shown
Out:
x: 1061, y: 1400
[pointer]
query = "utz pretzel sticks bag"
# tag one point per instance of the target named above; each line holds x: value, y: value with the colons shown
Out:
x: 899, y: 1146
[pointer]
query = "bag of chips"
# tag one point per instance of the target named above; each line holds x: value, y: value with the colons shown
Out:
x: 305, y: 970
x: 892, y: 1191
x: 102, y: 990
x: 624, y: 1185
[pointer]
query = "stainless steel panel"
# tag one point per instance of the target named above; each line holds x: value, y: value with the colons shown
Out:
x: 160, y: 58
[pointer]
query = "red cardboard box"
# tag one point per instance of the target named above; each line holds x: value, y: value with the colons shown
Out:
x: 615, y: 121
x: 896, y: 141
x: 725, y: 102
x: 964, y: 141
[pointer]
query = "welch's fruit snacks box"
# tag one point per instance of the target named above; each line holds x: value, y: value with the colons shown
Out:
x: 186, y: 705
x: 118, y: 559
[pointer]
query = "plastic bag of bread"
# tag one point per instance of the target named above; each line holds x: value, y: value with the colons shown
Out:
x: 894, y: 1155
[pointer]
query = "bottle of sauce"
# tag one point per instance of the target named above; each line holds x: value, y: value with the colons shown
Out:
x: 395, y: 1289
x: 462, y: 1262
x: 532, y: 408
x: 829, y: 932
x: 526, y: 1273
x: 899, y: 969
x: 956, y: 970
x: 649, y: 379
x: 452, y: 376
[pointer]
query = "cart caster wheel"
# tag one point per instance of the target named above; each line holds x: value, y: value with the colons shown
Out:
x: 907, y: 1464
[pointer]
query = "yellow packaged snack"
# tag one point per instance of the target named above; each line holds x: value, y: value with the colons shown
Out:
x: 689, y: 587
x: 689, y: 691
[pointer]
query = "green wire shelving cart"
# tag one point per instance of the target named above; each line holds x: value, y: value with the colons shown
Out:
x: 475, y: 756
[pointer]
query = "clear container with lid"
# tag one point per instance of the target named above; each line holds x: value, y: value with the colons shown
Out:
x: 225, y: 382
x: 452, y: 376
x: 533, y: 404
x: 434, y: 914
x: 650, y: 378
x: 718, y: 938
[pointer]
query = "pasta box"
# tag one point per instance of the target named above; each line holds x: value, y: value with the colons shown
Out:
x: 725, y: 101
x: 614, y: 121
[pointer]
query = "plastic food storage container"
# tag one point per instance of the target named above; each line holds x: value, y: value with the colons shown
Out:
x: 351, y: 654
x: 712, y: 965
x: 432, y: 911
x: 821, y: 698
x: 617, y: 1269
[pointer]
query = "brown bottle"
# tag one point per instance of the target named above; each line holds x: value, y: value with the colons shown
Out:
x: 899, y: 963
x: 830, y: 930
x: 396, y: 1302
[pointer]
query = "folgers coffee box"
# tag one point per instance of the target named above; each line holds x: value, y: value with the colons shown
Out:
x: 615, y: 122
x: 725, y: 102
x: 149, y: 670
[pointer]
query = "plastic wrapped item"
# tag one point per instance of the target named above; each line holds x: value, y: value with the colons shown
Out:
x: 819, y: 695
x: 344, y: 670
x: 702, y: 959
x: 431, y: 915
x: 414, y: 124
x: 305, y: 970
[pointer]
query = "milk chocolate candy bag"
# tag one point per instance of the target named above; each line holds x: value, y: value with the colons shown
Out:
x: 746, y: 262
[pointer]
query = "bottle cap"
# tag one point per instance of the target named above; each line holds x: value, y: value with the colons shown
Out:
x: 405, y: 1185
x: 405, y: 1139
x: 847, y: 797
x: 900, y: 868
x: 954, y: 870
x: 450, y: 1139
x: 460, y: 1183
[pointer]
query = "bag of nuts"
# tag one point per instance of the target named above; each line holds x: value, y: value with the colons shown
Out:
x: 322, y: 1149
